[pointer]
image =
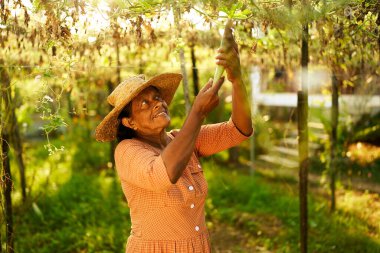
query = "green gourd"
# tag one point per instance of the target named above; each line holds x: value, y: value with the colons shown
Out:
x: 220, y: 69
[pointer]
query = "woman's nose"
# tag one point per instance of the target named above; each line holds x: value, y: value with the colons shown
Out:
x: 158, y: 104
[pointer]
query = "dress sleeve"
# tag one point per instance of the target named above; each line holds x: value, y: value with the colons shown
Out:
x: 141, y: 166
x: 214, y: 138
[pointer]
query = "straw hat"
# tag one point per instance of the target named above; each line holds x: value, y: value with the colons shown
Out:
x: 127, y: 90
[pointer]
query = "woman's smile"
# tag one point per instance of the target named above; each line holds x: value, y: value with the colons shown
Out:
x: 162, y: 113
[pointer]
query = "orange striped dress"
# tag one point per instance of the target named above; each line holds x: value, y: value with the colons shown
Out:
x: 166, y: 217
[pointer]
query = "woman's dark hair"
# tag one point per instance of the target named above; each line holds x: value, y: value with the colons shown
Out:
x: 124, y: 132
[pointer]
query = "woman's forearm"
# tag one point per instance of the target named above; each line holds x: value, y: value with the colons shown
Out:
x: 178, y: 152
x: 241, y: 110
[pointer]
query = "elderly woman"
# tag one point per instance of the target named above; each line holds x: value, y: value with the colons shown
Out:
x: 160, y: 172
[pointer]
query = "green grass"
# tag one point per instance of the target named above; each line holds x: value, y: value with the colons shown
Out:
x: 86, y: 214
x: 75, y: 204
x: 268, y: 208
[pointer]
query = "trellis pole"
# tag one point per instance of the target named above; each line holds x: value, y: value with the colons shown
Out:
x: 333, y: 139
x: 303, y: 143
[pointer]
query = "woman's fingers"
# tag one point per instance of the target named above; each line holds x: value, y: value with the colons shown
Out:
x: 215, y: 88
x: 223, y: 59
x: 207, y: 99
x: 222, y: 62
x: 227, y: 64
x: 232, y: 53
x: 207, y: 85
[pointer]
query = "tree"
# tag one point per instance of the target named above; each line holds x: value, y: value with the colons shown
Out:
x: 6, y: 182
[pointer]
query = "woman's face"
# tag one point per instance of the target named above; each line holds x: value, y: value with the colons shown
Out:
x: 150, y: 113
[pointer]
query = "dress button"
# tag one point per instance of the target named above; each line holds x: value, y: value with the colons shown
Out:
x: 199, y: 166
x: 191, y: 188
x: 196, y: 228
x: 192, y: 206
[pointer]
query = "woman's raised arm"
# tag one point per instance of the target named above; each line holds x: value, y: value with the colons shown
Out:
x: 228, y: 57
x: 178, y: 152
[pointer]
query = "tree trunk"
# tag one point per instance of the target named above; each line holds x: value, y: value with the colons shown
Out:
x: 7, y: 189
x: 70, y: 103
x: 185, y: 81
x: 17, y: 144
x: 378, y: 32
x: 233, y: 155
x: 118, y: 75
x: 333, y: 139
x: 289, y: 3
x: 303, y: 165
x: 6, y: 171
x: 195, y: 72
x: 303, y: 145
x: 177, y: 17
x: 112, y: 143
x: 1, y: 158
x: 138, y: 54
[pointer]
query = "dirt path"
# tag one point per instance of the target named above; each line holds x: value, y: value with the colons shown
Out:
x: 229, y: 239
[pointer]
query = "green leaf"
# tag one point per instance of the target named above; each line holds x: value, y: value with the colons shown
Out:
x: 239, y: 16
x: 36, y: 5
x: 246, y: 12
x: 366, y: 132
x: 48, y: 73
x: 224, y: 9
x: 232, y: 11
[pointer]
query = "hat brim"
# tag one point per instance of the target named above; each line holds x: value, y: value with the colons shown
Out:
x: 166, y: 83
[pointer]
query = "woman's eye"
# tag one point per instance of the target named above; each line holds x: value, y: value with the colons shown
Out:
x: 144, y: 102
x: 158, y: 98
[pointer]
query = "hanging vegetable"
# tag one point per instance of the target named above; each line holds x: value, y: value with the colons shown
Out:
x: 234, y: 13
x: 220, y: 69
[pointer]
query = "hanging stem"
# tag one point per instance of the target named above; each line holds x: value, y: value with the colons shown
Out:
x: 177, y: 17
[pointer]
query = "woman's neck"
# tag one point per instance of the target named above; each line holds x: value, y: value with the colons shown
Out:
x: 159, y: 141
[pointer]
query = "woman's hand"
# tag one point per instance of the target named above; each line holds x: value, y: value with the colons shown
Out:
x: 228, y: 57
x: 207, y: 98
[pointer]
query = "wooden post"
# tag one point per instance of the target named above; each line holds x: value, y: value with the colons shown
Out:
x: 195, y: 71
x: 333, y: 139
x: 6, y: 177
x: 110, y: 89
x: 17, y: 146
x: 303, y: 143
x: 112, y: 143
x: 303, y: 165
x: 118, y: 67
x: 1, y: 158
x: 255, y: 81
x: 7, y: 189
x: 289, y: 3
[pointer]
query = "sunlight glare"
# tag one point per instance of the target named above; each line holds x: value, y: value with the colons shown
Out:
x: 165, y: 21
x: 27, y: 3
x: 91, y: 39
x: 317, y: 78
x: 197, y: 20
x: 97, y: 18
x: 257, y: 33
